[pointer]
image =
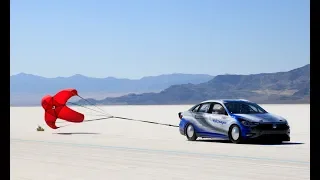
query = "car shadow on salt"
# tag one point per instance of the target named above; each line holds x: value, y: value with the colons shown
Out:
x: 75, y: 133
x: 257, y: 142
x: 271, y: 143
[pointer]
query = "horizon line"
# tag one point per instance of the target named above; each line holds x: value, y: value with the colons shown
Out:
x: 148, y: 75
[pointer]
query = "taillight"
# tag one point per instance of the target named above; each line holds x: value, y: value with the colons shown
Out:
x: 180, y: 115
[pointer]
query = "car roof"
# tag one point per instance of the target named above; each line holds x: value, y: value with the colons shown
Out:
x: 225, y: 100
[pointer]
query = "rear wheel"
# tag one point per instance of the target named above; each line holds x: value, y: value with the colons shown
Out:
x: 190, y: 133
x: 235, y: 134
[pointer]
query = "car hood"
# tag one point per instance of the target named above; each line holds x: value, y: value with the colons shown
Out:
x: 266, y: 117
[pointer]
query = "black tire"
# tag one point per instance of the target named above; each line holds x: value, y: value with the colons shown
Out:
x: 239, y: 139
x: 274, y: 141
x: 277, y: 142
x: 193, y: 137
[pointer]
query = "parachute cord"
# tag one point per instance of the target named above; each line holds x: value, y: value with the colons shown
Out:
x: 90, y: 109
x: 98, y: 119
x: 152, y: 122
x: 108, y: 116
x: 92, y: 104
x: 88, y: 120
x: 129, y: 119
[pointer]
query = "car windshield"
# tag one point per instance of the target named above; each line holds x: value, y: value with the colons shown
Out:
x: 244, y: 108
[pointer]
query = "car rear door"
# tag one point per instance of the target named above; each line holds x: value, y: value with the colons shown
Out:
x: 202, y: 111
x: 204, y: 119
x: 201, y: 116
x: 218, y: 118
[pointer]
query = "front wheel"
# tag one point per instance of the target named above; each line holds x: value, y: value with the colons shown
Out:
x: 190, y: 133
x: 235, y: 134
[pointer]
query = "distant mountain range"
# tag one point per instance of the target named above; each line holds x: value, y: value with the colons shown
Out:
x: 28, y: 89
x: 281, y: 87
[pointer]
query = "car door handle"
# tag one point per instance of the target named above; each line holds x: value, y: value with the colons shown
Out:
x: 197, y: 116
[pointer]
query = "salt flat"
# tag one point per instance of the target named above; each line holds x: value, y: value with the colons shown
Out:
x: 120, y: 149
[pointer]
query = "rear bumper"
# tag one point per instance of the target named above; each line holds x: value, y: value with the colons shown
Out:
x: 182, y: 126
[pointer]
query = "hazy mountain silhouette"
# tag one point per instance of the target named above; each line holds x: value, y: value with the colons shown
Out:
x: 27, y: 89
x: 280, y: 87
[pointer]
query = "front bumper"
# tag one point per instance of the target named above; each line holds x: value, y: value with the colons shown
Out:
x: 267, y: 131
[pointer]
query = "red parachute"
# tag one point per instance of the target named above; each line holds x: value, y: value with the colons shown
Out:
x: 55, y: 107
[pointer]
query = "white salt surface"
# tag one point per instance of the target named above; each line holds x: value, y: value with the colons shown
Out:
x: 120, y: 149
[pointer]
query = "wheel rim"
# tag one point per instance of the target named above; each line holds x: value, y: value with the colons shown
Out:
x: 190, y: 131
x: 235, y: 133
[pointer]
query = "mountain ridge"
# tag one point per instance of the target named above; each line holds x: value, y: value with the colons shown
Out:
x: 27, y: 89
x: 280, y: 87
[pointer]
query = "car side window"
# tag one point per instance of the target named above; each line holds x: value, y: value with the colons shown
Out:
x: 218, y: 109
x: 254, y: 109
x: 204, y: 108
x: 195, y: 109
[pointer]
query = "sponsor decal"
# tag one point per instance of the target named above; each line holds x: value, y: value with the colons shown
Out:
x: 218, y: 121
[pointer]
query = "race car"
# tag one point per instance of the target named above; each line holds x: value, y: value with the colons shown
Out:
x: 237, y: 120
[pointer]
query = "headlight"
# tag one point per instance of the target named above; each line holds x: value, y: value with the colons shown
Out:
x: 248, y: 123
x: 285, y: 121
x: 287, y: 124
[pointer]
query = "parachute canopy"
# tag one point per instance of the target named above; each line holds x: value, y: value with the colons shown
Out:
x: 55, y: 107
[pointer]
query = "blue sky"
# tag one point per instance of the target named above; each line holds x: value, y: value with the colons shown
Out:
x: 135, y: 38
